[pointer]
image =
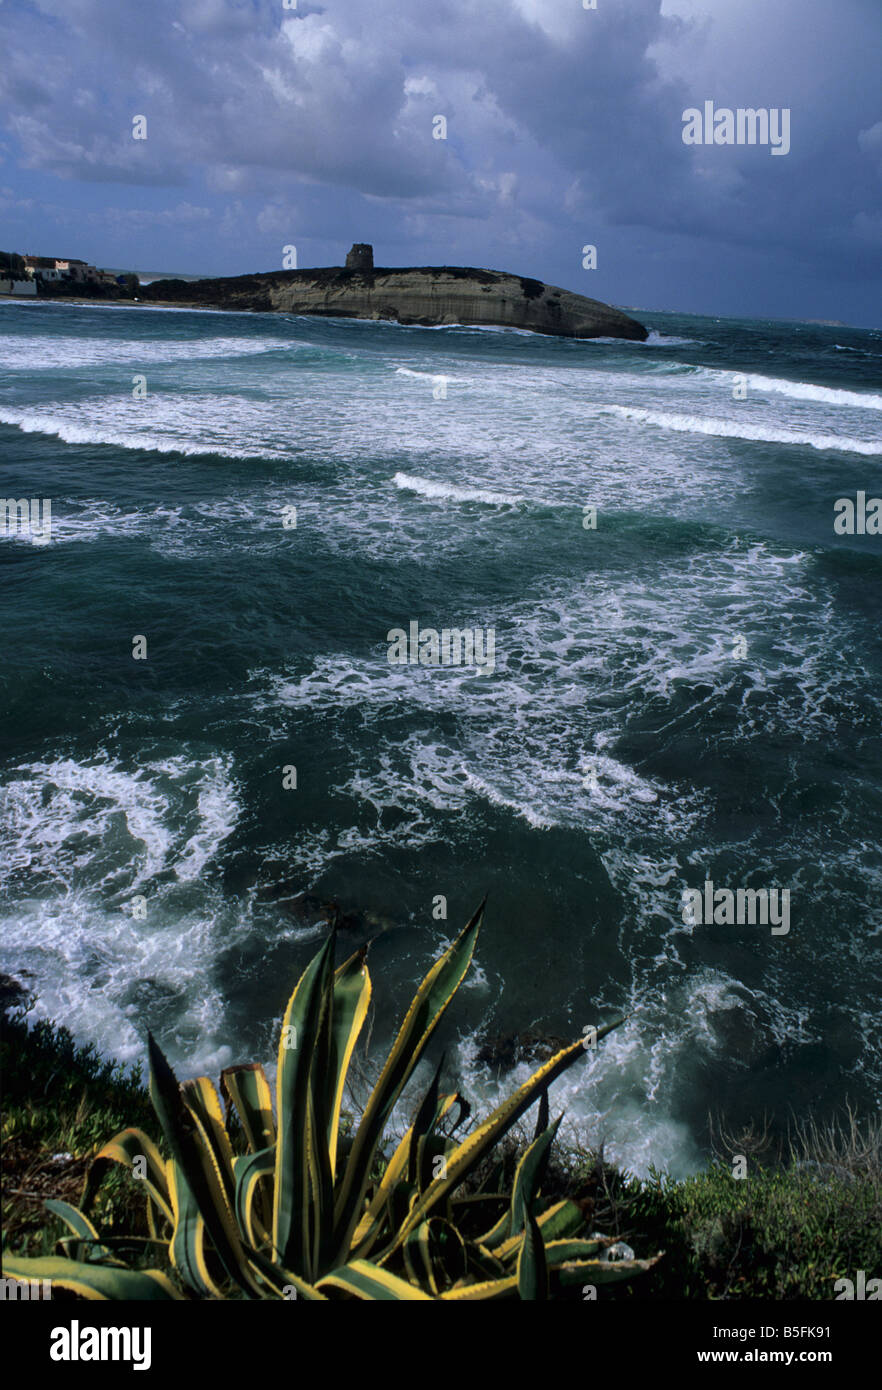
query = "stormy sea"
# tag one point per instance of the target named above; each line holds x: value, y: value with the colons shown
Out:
x: 204, y: 742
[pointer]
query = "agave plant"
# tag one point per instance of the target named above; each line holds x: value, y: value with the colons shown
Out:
x: 308, y: 1212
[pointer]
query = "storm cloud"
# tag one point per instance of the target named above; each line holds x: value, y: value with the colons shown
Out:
x: 315, y: 126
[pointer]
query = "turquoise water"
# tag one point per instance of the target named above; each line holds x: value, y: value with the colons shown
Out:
x: 690, y: 691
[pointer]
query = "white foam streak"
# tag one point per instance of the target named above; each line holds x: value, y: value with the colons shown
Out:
x: 448, y: 492
x: 730, y: 429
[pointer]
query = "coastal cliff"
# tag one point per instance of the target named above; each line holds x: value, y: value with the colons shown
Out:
x: 426, y: 296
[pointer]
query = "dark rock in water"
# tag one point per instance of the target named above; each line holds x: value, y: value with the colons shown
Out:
x: 310, y: 910
x: 12, y: 994
x: 744, y: 1036
x: 504, y: 1051
x: 422, y: 295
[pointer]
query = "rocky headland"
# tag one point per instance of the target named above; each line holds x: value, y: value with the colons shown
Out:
x: 427, y: 296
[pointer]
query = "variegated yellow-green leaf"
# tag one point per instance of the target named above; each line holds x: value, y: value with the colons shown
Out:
x: 283, y: 1282
x: 490, y: 1288
x: 435, y: 1255
x: 249, y: 1090
x: 368, y: 1229
x: 191, y: 1151
x: 551, y: 1223
x: 601, y: 1271
x: 352, y: 995
x: 127, y: 1148
x: 366, y: 1280
x: 426, y: 1010
x: 483, y: 1139
x: 203, y: 1101
x: 93, y: 1281
x: 532, y: 1266
x: 526, y: 1179
x: 83, y: 1228
x: 249, y: 1169
x: 187, y: 1247
x: 291, y: 1181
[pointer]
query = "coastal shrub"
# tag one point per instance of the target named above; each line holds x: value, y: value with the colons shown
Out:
x: 789, y: 1230
x: 59, y: 1102
x: 260, y: 1203
x: 780, y: 1233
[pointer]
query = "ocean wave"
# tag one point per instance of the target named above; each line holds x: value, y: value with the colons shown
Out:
x: 67, y: 429
x: 448, y: 492
x: 67, y: 821
x: 797, y: 390
x: 655, y: 339
x: 45, y: 353
x: 81, y: 840
x: 728, y: 429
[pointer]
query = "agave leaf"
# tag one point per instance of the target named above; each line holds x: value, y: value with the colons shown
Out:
x: 92, y: 1281
x: 560, y: 1220
x: 428, y: 1006
x: 368, y: 1230
x: 202, y: 1099
x: 369, y: 1281
x: 542, y: 1116
x: 248, y: 1089
x: 282, y: 1281
x: 490, y: 1288
x: 320, y: 1211
x: 482, y: 1139
x: 291, y: 1191
x: 248, y: 1171
x: 319, y: 1124
x: 124, y: 1149
x: 601, y: 1271
x: 532, y: 1265
x: 189, y: 1149
x: 82, y: 1227
x: 559, y: 1252
x: 424, y: 1122
x: 435, y: 1255
x: 187, y: 1246
x: 417, y: 1272
x: 352, y: 995
x: 485, y: 1263
x: 557, y: 1221
x: 528, y: 1176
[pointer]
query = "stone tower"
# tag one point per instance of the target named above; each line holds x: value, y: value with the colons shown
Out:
x: 361, y: 257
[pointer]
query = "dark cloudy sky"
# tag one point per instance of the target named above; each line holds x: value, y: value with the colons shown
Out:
x: 312, y: 127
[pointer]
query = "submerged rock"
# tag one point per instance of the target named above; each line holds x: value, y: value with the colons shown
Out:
x: 310, y: 910
x: 12, y: 994
x: 503, y: 1051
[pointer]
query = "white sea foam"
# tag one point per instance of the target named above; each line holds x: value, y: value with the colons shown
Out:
x: 655, y: 339
x: 423, y: 376
x: 50, y: 353
x: 121, y: 423
x: 448, y: 492
x: 80, y: 841
x: 730, y: 429
x: 797, y: 390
